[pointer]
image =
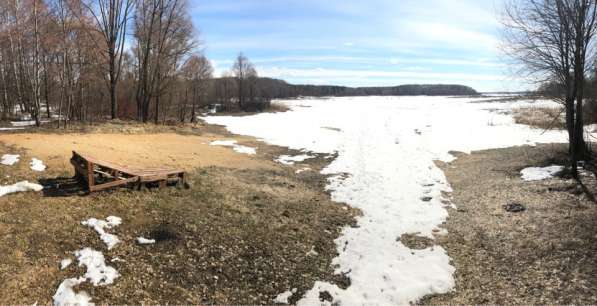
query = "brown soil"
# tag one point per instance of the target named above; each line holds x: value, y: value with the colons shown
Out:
x: 544, y: 255
x: 168, y: 149
x: 247, y: 230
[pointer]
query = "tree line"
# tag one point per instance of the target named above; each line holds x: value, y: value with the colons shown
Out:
x: 279, y: 89
x: 90, y: 60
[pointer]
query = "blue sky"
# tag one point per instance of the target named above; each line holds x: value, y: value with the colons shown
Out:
x: 360, y: 43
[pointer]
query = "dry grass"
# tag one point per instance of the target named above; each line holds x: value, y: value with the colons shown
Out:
x: 151, y: 149
x: 541, y: 117
x: 278, y: 108
x: 240, y: 235
x: 544, y: 255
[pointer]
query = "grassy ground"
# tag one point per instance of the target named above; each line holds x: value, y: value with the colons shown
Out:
x: 238, y: 236
x: 541, y: 117
x: 544, y: 255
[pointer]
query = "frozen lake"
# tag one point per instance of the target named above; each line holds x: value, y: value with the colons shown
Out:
x: 387, y: 146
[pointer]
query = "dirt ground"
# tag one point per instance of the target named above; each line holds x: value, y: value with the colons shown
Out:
x: 247, y: 229
x: 170, y: 149
x: 544, y: 255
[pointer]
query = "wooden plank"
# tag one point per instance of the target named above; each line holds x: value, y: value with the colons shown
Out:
x: 90, y: 178
x: 102, y: 163
x: 142, y: 172
x: 85, y: 167
x: 82, y: 172
x: 113, y: 184
x: 152, y: 178
x: 109, y: 175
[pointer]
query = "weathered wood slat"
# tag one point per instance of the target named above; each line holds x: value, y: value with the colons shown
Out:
x: 113, y: 184
x: 87, y: 167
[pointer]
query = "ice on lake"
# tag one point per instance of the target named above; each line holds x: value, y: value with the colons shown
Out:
x: 388, y: 146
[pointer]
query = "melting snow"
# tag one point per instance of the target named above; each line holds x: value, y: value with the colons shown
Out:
x: 10, y: 159
x: 100, y: 225
x: 235, y: 146
x: 37, y: 165
x: 20, y: 187
x: 386, y: 179
x: 11, y: 129
x: 142, y: 240
x: 26, y: 123
x: 65, y: 263
x: 539, y: 174
x: 290, y: 160
x: 66, y: 295
x: 97, y: 273
x: 283, y: 297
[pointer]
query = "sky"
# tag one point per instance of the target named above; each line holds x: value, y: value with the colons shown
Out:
x: 360, y: 42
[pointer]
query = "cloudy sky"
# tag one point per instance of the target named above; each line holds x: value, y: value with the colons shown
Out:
x: 360, y: 43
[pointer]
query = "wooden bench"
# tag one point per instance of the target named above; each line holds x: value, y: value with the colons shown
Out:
x: 100, y: 175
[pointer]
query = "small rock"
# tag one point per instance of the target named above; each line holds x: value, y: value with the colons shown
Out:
x: 514, y: 207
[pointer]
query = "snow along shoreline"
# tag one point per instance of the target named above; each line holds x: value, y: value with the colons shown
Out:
x: 388, y: 145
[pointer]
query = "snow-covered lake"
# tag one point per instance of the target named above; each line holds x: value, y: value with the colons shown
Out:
x: 387, y: 145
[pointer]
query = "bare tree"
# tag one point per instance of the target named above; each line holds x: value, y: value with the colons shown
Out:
x: 111, y: 17
x: 197, y: 70
x: 553, y: 41
x: 165, y: 35
x: 243, y: 70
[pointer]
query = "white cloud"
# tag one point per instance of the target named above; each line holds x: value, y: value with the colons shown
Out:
x: 321, y: 73
x: 441, y: 33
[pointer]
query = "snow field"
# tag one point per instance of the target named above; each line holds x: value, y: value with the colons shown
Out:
x: 387, y: 146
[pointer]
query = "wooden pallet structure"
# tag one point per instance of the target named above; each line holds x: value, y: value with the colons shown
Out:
x: 101, y: 175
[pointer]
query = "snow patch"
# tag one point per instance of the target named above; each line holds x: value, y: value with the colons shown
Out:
x: 235, y: 146
x: 539, y: 174
x: 142, y: 240
x: 100, y: 225
x: 97, y: 272
x: 10, y: 159
x: 302, y: 170
x: 20, y: 187
x: 26, y: 123
x: 283, y: 297
x: 65, y: 263
x: 66, y: 295
x: 37, y: 165
x: 291, y: 160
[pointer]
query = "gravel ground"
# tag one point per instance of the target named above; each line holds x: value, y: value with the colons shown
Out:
x: 546, y: 254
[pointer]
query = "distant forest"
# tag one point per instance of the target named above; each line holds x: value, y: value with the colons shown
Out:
x: 279, y: 89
